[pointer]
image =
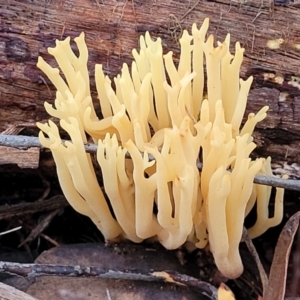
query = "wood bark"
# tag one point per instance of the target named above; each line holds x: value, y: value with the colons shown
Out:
x: 269, y: 31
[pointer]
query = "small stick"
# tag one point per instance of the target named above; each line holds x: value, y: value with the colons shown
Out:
x: 10, y: 230
x: 25, y: 142
x: 35, y: 270
x: 262, y: 273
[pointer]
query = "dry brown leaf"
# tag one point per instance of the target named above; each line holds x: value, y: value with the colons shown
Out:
x: 278, y: 273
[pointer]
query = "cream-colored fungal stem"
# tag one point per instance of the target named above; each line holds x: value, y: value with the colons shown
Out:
x: 65, y: 179
x: 210, y: 161
x: 75, y: 105
x: 141, y: 59
x: 219, y: 120
x: 190, y: 156
x: 180, y: 144
x: 242, y: 185
x: 188, y: 141
x: 114, y: 101
x: 263, y: 222
x: 242, y: 188
x: 262, y: 203
x: 141, y: 107
x: 102, y: 82
x: 126, y: 184
x: 163, y: 199
x: 135, y: 76
x: 173, y: 93
x: 81, y: 63
x: 230, y: 74
x: 97, y: 129
x: 253, y: 119
x: 53, y: 75
x: 123, y: 125
x: 171, y: 69
x: 179, y: 99
x: 140, y: 142
x: 182, y: 196
x: 278, y: 207
x: 107, y: 158
x: 213, y: 65
x: 154, y: 55
x: 118, y: 88
x: 197, y: 65
x: 137, y: 106
x: 184, y: 98
x: 127, y: 88
x: 172, y: 148
x: 60, y: 107
x: 187, y: 200
x: 201, y: 134
x: 70, y: 64
x: 198, y: 215
x: 85, y: 180
x: 224, y: 158
x: 146, y: 223
x: 70, y: 104
x: 205, y: 113
x: 240, y: 106
x: 249, y: 148
x: 251, y: 202
x: 184, y: 66
x: 64, y: 63
x: 241, y: 151
x: 215, y: 207
x: 95, y: 199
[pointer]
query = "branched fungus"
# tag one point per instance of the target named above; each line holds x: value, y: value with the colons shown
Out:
x: 159, y: 115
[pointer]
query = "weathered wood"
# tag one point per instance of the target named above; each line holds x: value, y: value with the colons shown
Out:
x: 23, y: 158
x: 9, y: 293
x: 269, y: 33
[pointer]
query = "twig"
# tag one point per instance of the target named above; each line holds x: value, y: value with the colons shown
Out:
x: 262, y: 273
x: 10, y: 230
x: 35, y: 270
x: 108, y: 294
x: 25, y: 142
x: 49, y: 239
x: 17, y: 210
x: 190, y: 10
x: 40, y: 227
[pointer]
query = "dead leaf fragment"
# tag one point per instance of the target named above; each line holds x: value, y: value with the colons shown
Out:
x: 277, y: 279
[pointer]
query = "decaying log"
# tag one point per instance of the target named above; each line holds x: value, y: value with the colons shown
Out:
x: 269, y: 32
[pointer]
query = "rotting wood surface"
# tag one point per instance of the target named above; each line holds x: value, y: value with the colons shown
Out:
x: 113, y: 28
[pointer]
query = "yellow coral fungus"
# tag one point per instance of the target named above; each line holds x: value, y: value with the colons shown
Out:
x: 158, y: 111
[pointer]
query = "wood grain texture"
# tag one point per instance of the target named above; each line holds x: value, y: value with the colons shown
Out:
x: 23, y: 158
x: 9, y: 293
x: 113, y: 28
